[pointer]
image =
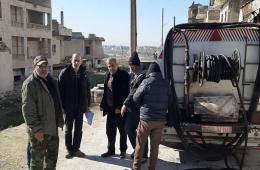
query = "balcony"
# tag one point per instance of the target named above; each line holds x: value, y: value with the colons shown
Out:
x: 44, y: 3
x: 18, y: 56
x: 38, y: 46
x: 65, y: 31
x: 17, y: 24
x: 38, y: 26
x: 61, y: 31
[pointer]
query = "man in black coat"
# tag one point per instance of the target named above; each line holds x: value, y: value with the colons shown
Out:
x: 116, y: 89
x: 130, y: 108
x: 75, y: 96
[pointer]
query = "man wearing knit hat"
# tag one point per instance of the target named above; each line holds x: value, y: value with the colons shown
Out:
x: 131, y: 109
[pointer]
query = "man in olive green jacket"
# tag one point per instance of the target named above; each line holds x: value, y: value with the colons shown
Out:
x: 42, y: 112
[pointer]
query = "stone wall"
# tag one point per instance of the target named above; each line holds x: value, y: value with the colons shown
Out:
x: 6, y: 72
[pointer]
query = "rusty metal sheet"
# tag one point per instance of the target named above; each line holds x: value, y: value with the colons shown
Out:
x: 217, y: 108
x: 216, y: 129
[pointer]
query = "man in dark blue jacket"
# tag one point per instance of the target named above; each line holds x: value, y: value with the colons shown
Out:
x: 116, y: 89
x: 152, y: 95
x: 75, y: 96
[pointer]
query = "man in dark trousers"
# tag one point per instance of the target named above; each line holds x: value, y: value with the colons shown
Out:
x: 152, y: 95
x: 116, y: 89
x: 75, y: 96
x: 130, y: 108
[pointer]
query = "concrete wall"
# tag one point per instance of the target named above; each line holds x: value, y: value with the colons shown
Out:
x: 75, y: 45
x: 6, y: 72
x: 224, y: 14
x: 56, y: 55
x: 246, y: 11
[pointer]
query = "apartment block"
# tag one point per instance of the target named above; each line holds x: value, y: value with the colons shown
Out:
x: 197, y: 13
x: 25, y: 28
x: 90, y: 48
x: 60, y: 33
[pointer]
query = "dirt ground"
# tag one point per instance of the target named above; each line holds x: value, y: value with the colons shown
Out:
x: 94, y: 142
x: 13, y: 149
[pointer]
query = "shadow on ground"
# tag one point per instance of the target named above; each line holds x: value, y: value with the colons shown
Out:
x: 127, y: 163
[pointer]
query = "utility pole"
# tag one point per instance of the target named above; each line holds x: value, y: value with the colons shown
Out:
x: 162, y: 27
x: 173, y: 21
x: 133, y: 27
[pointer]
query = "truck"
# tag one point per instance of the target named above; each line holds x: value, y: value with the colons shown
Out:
x: 214, y: 74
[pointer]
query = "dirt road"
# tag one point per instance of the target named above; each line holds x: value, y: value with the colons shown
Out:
x: 13, y: 143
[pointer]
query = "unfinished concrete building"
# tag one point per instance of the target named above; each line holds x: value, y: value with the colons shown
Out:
x: 213, y: 13
x: 90, y: 48
x: 25, y: 28
x: 250, y: 11
x: 59, y: 34
x: 230, y: 11
x: 197, y: 13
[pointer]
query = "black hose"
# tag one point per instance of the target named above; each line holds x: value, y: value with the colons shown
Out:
x: 219, y: 67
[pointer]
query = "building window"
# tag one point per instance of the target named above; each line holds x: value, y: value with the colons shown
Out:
x: 54, y: 48
x: 87, y: 50
x: 211, y: 2
x: 16, y: 16
x: 18, y: 47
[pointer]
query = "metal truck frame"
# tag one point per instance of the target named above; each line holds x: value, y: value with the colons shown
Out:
x: 207, y: 61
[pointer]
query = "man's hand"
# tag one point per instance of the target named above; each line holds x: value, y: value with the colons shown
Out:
x: 39, y: 136
x: 117, y: 111
x: 123, y: 110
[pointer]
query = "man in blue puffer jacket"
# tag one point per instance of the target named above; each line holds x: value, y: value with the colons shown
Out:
x: 152, y: 95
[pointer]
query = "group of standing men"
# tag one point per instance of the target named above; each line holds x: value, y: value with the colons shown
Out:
x: 136, y: 104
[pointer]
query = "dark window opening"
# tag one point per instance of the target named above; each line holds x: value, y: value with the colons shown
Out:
x: 87, y: 50
x: 17, y: 78
x: 54, y: 48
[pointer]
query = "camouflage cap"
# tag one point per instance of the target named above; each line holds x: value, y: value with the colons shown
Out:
x: 38, y: 60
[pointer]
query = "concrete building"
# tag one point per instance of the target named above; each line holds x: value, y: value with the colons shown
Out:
x: 25, y: 27
x: 230, y: 11
x: 90, y: 48
x: 6, y: 69
x: 59, y: 34
x: 250, y: 11
x: 197, y: 13
x: 213, y: 13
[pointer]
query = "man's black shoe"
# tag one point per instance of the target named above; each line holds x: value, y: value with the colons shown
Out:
x: 79, y: 154
x: 69, y: 155
x: 107, y: 154
x: 122, y: 155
